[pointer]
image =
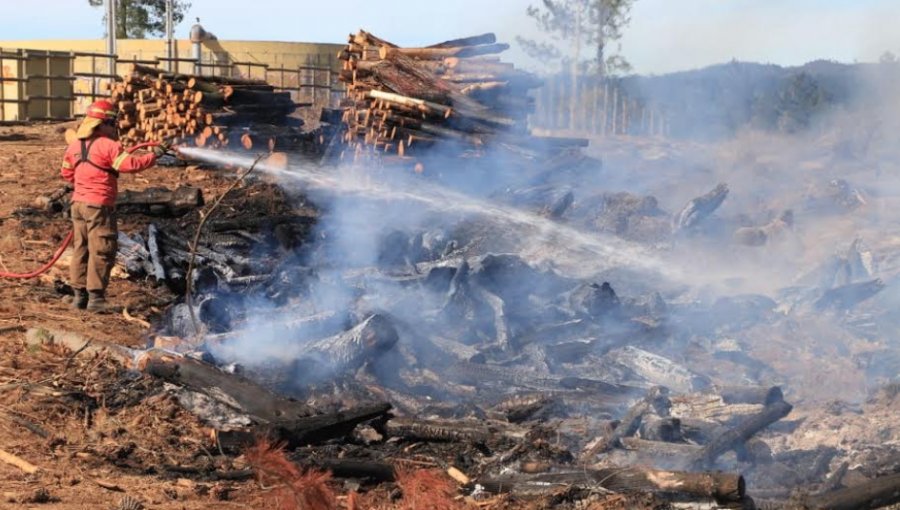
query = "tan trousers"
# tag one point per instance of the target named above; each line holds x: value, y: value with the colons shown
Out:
x: 94, y: 246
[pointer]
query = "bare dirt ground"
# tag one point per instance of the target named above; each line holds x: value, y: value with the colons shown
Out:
x: 113, y: 435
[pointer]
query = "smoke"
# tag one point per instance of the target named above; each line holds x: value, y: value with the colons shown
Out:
x: 753, y: 293
x: 838, y: 179
x: 377, y: 230
x: 353, y: 197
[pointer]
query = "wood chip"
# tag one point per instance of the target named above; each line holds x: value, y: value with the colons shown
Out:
x: 108, y: 486
x: 458, y: 475
x: 18, y: 462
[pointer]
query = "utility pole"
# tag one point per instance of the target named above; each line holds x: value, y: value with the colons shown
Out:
x: 111, y: 34
x: 170, y: 38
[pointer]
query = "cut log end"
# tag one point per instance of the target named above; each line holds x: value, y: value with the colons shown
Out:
x: 247, y: 141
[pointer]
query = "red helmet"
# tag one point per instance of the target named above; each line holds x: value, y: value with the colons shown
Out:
x: 102, y: 109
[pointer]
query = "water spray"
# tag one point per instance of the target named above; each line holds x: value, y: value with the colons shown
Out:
x: 550, y: 240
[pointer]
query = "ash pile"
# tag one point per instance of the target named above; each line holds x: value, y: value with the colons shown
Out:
x: 531, y: 332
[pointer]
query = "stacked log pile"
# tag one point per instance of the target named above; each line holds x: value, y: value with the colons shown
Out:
x: 202, y: 111
x: 454, y: 94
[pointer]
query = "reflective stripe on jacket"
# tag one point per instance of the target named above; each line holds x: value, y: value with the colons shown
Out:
x: 93, y: 184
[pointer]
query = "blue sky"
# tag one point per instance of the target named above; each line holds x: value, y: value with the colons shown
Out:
x: 665, y: 35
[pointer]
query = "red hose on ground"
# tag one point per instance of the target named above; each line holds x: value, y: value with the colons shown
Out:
x: 46, y: 267
x: 66, y: 242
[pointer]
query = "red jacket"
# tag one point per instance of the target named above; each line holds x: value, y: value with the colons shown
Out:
x: 93, y: 185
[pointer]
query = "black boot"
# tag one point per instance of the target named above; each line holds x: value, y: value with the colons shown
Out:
x: 79, y: 300
x: 97, y: 302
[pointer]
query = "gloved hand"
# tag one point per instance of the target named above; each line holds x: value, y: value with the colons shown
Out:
x: 161, y: 149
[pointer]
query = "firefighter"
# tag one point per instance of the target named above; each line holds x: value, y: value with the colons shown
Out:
x: 93, y: 163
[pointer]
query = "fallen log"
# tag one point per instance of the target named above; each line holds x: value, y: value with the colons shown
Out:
x: 160, y: 201
x: 440, y: 431
x: 657, y: 369
x: 366, y: 470
x: 304, y: 431
x: 878, y: 493
x: 700, y: 431
x: 257, y: 222
x: 348, y: 350
x: 18, y: 462
x: 232, y: 390
x: 659, y: 454
x: 735, y: 437
x: 698, y: 209
x: 848, y: 296
x: 468, y: 431
x: 722, y: 487
x: 656, y: 400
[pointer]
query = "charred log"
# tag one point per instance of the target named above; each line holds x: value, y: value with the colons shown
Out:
x: 523, y: 407
x: 848, y: 296
x: 724, y: 488
x: 656, y: 400
x: 160, y: 201
x: 345, y: 351
x: 700, y: 208
x: 304, y: 431
x: 242, y: 395
x: 467, y: 431
x: 661, y: 429
x: 879, y: 493
x: 734, y: 437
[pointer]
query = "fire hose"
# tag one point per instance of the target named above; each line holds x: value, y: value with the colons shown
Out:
x: 67, y: 240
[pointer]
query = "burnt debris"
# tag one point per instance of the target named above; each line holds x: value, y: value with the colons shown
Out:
x: 366, y: 329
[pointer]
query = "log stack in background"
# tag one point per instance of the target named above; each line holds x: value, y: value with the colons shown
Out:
x: 203, y: 111
x: 454, y: 95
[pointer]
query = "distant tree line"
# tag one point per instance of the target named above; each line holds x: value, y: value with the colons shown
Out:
x: 720, y: 100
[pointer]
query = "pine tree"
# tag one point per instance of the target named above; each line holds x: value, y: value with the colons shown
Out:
x: 573, y: 25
